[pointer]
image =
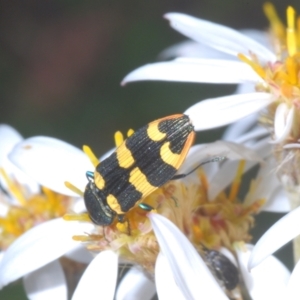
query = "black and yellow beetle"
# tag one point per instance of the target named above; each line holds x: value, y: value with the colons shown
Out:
x: 143, y: 162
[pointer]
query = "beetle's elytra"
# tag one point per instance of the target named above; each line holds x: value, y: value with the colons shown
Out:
x: 143, y: 162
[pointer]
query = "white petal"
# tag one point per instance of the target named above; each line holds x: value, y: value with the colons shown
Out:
x: 293, y: 289
x: 189, y: 270
x: 80, y: 254
x: 227, y: 171
x: 217, y: 36
x: 9, y: 137
x: 267, y: 281
x: 192, y: 49
x: 280, y: 116
x: 51, y: 162
x: 48, y: 282
x: 135, y: 285
x: 283, y: 122
x: 238, y: 129
x: 219, y: 177
x: 39, y: 246
x: 260, y: 36
x: 251, y: 137
x: 21, y: 177
x: 291, y: 146
x: 4, y: 207
x: 205, y: 152
x: 261, y: 147
x: 216, y: 112
x: 107, y: 154
x: 78, y: 205
x: 223, y: 178
x: 195, y: 157
x: 195, y: 70
x: 284, y: 230
x: 269, y: 187
x: 278, y: 202
x: 245, y: 88
x: 165, y: 283
x: 99, y: 279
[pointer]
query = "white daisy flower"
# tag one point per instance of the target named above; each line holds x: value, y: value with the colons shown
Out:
x: 198, y: 205
x: 24, y: 204
x: 194, y: 49
x: 274, y: 74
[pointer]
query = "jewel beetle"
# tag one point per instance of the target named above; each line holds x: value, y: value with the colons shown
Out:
x: 146, y: 160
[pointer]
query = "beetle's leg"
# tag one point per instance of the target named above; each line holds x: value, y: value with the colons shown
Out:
x: 146, y: 207
x: 122, y: 219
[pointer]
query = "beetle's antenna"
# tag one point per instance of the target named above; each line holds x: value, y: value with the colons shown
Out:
x: 214, y: 159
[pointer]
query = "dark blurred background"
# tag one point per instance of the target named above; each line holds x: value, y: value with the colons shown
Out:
x: 61, y: 63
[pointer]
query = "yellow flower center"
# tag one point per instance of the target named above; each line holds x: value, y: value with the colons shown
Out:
x: 282, y: 76
x: 210, y: 222
x: 30, y: 210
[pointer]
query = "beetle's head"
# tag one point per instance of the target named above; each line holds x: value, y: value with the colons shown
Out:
x: 96, y: 205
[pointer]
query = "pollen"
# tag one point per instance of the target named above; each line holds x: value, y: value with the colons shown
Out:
x: 26, y: 210
x: 217, y: 222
